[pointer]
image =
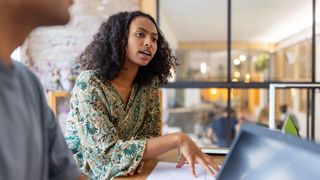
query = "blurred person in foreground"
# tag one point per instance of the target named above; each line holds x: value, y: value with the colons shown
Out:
x: 31, y: 143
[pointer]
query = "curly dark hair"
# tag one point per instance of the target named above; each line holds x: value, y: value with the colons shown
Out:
x: 106, y: 53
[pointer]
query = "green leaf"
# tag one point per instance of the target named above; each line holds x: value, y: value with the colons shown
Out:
x: 90, y: 129
x: 131, y: 151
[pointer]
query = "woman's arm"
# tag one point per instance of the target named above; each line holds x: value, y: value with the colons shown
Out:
x: 159, y: 145
x: 188, y: 149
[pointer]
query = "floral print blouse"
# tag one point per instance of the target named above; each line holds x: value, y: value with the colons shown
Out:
x: 107, y: 136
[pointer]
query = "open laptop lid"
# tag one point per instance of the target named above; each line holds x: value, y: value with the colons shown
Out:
x: 264, y: 154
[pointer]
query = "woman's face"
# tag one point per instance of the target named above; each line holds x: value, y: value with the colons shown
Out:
x: 142, y: 41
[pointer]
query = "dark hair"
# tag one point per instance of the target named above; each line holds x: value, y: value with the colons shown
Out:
x: 226, y: 110
x: 283, y: 108
x: 231, y: 111
x: 106, y: 53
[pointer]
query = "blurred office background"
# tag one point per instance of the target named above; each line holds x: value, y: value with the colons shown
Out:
x: 270, y: 41
x: 229, y: 52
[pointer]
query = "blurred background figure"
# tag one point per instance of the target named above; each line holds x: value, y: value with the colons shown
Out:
x: 223, y: 128
x: 200, y: 125
x: 263, y: 117
x: 243, y: 117
x: 284, y: 115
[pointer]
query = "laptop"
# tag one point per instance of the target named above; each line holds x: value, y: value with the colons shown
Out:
x: 264, y: 154
x: 289, y: 127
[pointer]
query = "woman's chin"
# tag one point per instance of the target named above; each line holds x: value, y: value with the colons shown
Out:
x: 143, y: 62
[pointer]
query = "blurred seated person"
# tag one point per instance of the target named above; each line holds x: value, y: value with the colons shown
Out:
x: 200, y: 125
x: 242, y: 119
x: 223, y: 128
x: 284, y: 114
x: 263, y: 117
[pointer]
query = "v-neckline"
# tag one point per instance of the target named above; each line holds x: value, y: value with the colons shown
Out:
x: 131, y: 96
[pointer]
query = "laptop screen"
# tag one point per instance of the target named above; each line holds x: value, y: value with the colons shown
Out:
x: 260, y: 153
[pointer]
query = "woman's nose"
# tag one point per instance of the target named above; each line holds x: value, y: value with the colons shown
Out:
x: 147, y: 43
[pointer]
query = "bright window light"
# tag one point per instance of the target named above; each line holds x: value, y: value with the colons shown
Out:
x: 203, y: 68
x: 16, y: 55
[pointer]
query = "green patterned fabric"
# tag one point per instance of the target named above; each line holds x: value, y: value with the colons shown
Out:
x: 107, y: 136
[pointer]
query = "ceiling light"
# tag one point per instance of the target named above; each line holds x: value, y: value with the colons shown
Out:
x: 242, y: 57
x: 236, y: 74
x: 236, y: 61
x: 213, y: 91
x: 247, y: 76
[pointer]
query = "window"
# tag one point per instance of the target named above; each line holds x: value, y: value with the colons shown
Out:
x: 236, y: 49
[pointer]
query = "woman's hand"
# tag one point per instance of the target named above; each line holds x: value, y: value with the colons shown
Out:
x: 137, y: 171
x: 191, y: 153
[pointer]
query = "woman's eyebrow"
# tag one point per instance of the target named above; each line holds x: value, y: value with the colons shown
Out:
x: 153, y: 33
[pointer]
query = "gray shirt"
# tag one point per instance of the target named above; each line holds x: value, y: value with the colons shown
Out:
x: 31, y: 143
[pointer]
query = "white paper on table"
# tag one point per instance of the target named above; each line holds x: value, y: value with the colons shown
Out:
x: 168, y: 171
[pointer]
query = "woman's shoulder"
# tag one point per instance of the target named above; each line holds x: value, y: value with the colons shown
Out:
x: 88, y: 78
x: 150, y: 88
x: 87, y: 75
x: 154, y: 84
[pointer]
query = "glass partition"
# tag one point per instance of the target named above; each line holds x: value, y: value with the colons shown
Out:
x: 294, y: 102
x: 317, y: 116
x: 197, y: 33
x: 317, y: 40
x: 271, y: 40
x: 191, y: 110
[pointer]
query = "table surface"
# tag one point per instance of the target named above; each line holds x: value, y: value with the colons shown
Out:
x: 170, y: 156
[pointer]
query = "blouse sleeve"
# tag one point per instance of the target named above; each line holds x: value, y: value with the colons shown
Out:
x: 152, y: 122
x: 104, y: 154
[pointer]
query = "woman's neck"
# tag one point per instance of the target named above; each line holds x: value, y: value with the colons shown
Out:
x: 127, y: 75
x: 124, y: 81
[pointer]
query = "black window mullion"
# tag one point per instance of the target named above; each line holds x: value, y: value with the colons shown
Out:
x: 313, y: 68
x: 229, y: 56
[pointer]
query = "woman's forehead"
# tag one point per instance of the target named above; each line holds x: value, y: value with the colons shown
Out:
x: 143, y: 23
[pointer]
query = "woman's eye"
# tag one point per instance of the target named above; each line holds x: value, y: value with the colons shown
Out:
x: 154, y: 39
x: 139, y: 34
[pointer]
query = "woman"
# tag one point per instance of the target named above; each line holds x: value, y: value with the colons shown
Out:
x: 114, y: 123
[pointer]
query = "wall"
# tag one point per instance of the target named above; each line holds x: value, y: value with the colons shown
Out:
x: 51, y: 52
x: 149, y: 7
x: 168, y: 31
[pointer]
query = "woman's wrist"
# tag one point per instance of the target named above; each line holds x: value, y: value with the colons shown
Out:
x: 180, y: 139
